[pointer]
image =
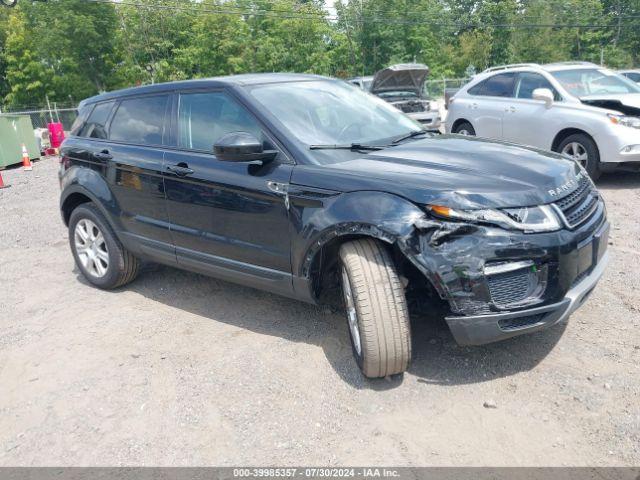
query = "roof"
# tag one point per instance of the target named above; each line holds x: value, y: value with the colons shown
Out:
x: 237, y: 80
x: 549, y: 67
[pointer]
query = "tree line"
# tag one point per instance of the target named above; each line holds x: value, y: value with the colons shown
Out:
x: 66, y: 50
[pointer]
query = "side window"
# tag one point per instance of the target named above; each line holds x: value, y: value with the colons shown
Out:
x: 634, y: 76
x: 500, y: 85
x: 203, y: 118
x: 140, y: 120
x: 95, y: 126
x: 476, y: 89
x: 528, y: 82
x: 78, y: 123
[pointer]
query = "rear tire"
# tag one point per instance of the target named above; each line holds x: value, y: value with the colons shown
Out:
x: 98, y: 253
x: 584, y: 150
x: 465, y: 128
x: 377, y: 308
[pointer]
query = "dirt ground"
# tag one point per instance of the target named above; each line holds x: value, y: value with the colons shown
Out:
x: 181, y: 369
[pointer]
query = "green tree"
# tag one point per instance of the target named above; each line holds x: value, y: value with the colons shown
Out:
x: 28, y: 78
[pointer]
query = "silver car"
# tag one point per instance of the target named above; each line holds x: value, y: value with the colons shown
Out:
x: 631, y: 75
x: 587, y: 112
x: 402, y: 85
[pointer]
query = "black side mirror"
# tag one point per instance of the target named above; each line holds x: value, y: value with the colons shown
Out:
x: 242, y: 147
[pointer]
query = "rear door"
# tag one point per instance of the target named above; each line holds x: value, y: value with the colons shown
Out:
x: 528, y: 121
x: 134, y: 153
x: 488, y: 103
x: 227, y: 218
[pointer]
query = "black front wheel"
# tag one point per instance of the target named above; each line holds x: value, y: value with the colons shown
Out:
x: 465, y: 128
x: 376, y: 308
x: 583, y: 150
x: 9, y: 3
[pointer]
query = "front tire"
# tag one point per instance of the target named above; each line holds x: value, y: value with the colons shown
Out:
x: 98, y: 253
x: 465, y: 128
x: 376, y: 307
x: 582, y: 149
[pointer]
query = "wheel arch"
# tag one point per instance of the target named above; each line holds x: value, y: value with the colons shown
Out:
x: 567, y: 132
x: 459, y: 122
x: 82, y: 185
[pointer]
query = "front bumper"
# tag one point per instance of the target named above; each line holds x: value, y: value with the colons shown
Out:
x: 618, y: 145
x: 481, y: 329
x: 430, y: 120
x: 500, y: 284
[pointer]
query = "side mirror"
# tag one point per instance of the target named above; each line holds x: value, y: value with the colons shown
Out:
x: 543, y: 94
x: 242, y: 147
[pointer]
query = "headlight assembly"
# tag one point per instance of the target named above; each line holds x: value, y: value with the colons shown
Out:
x: 525, y: 219
x: 633, y: 122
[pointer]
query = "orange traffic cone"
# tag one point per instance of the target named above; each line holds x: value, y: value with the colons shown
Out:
x: 2, y: 185
x: 26, y: 163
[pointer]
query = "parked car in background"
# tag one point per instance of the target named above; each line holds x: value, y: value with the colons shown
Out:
x: 587, y: 112
x: 309, y: 188
x: 363, y: 82
x: 402, y: 86
x: 631, y: 74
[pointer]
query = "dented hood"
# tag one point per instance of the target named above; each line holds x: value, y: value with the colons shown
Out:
x: 405, y: 76
x: 462, y: 172
x: 626, y: 103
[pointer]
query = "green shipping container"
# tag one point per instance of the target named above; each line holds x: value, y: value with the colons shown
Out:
x: 16, y: 130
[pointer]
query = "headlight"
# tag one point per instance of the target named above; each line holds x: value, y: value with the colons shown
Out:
x: 526, y: 219
x: 633, y: 122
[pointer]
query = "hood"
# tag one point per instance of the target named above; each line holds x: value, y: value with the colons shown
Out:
x: 404, y: 76
x: 625, y: 103
x: 456, y: 171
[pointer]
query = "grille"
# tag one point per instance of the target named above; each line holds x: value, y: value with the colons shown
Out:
x: 412, y: 107
x: 510, y: 287
x: 519, y: 322
x: 579, y: 205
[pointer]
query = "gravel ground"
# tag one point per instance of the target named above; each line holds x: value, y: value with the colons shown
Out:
x: 181, y: 369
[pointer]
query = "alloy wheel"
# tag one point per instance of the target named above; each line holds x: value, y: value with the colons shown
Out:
x: 91, y: 248
x: 352, y: 315
x: 577, y: 152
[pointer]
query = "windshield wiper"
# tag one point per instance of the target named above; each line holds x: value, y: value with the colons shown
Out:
x: 409, y: 135
x: 352, y: 146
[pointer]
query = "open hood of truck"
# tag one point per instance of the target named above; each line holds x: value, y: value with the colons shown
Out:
x: 625, y: 103
x: 402, y: 77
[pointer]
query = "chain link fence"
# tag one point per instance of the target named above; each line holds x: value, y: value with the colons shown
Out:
x: 443, y: 87
x: 40, y: 117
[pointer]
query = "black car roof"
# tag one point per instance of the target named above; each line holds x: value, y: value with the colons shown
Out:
x: 237, y: 80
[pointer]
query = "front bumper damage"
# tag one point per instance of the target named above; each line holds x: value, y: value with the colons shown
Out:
x: 554, y: 273
x: 481, y: 329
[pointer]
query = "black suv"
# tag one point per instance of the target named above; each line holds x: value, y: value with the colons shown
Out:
x: 307, y: 187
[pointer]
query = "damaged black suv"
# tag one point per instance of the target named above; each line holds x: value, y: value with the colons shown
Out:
x: 306, y: 186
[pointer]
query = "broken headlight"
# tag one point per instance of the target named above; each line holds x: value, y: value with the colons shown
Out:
x: 525, y: 219
x: 633, y: 122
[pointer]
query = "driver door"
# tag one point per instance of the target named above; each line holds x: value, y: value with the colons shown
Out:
x: 226, y: 218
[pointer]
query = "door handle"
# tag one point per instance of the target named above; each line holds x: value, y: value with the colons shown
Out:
x: 181, y: 169
x: 473, y: 105
x: 510, y: 109
x: 104, y: 155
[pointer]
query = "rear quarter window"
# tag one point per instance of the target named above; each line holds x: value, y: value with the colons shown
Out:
x: 500, y: 85
x: 78, y: 123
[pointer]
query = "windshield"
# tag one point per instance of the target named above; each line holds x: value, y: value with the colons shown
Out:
x: 326, y: 112
x: 594, y: 81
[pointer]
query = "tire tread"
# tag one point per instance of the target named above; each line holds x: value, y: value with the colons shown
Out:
x: 381, y: 307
